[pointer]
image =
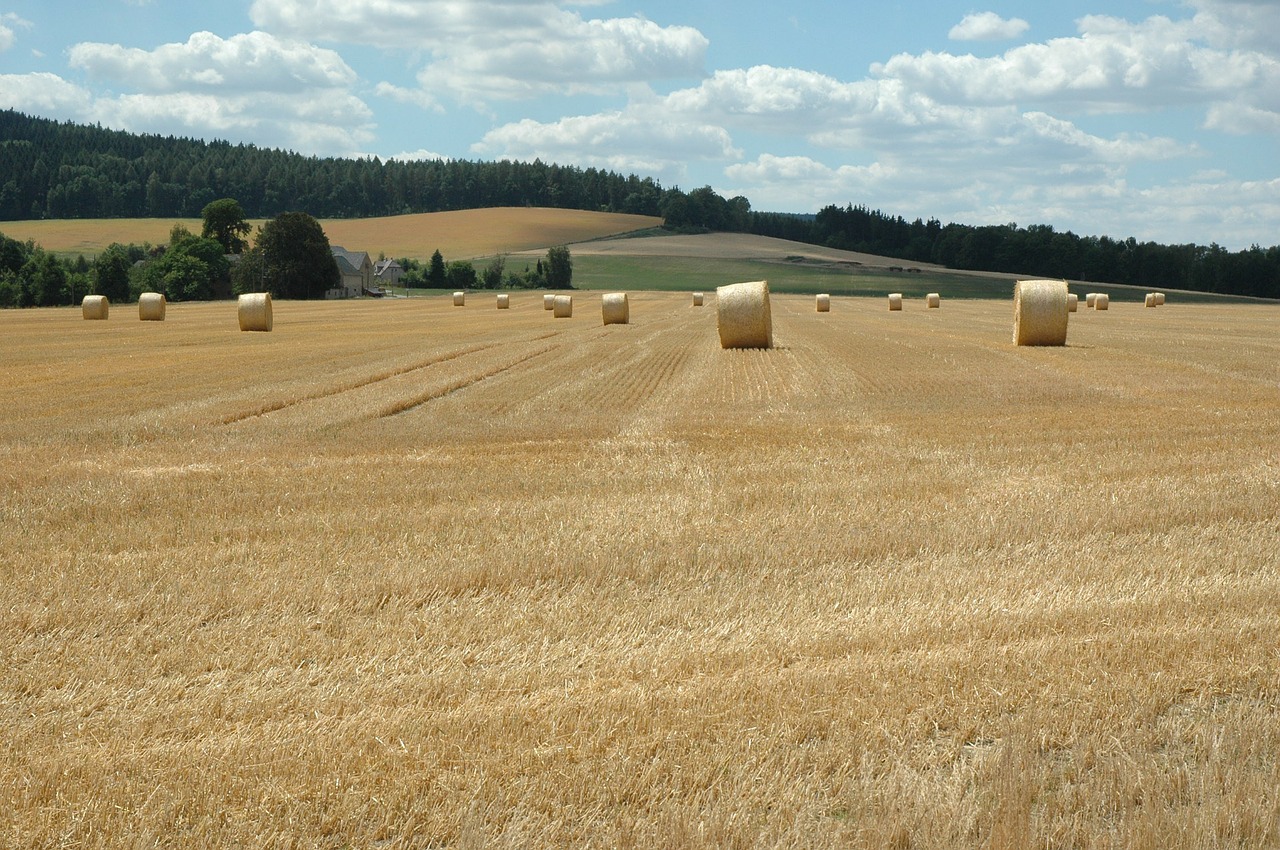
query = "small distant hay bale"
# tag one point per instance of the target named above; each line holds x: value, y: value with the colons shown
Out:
x: 504, y: 301
x: 549, y: 301
x: 697, y: 299
x: 255, y: 311
x: 1149, y: 300
x: 1102, y: 302
x: 822, y: 303
x: 95, y: 307
x: 1159, y: 298
x: 563, y: 307
x: 1090, y: 299
x: 895, y: 302
x: 1040, y: 312
x: 615, y: 308
x: 151, y: 307
x: 742, y: 315
x: 933, y: 299
x: 1073, y: 302
x: 459, y: 299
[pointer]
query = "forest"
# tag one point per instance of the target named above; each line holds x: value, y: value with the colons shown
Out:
x: 56, y: 170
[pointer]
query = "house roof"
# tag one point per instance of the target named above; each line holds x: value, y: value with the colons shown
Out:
x: 354, y: 260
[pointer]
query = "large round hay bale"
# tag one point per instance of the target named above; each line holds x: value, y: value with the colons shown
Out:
x: 563, y: 307
x: 1040, y: 312
x: 895, y: 301
x: 549, y: 301
x: 504, y: 301
x: 933, y: 299
x: 95, y: 307
x: 151, y: 307
x: 615, y: 308
x: 742, y: 315
x: 1149, y: 300
x: 1090, y: 299
x: 459, y: 299
x: 697, y: 299
x: 1073, y: 302
x: 1102, y: 302
x: 255, y: 311
x: 1159, y: 298
x: 822, y: 303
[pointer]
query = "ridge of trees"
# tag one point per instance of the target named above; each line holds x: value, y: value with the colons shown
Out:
x: 52, y: 169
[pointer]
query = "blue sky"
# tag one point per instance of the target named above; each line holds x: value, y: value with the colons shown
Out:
x: 1158, y: 119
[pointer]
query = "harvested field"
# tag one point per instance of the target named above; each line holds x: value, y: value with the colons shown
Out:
x: 401, y: 575
x: 458, y: 235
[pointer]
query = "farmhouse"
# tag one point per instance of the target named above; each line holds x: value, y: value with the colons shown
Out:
x: 387, y: 272
x: 357, y: 273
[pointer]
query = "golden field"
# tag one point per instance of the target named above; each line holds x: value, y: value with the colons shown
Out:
x: 400, y: 574
x: 458, y: 235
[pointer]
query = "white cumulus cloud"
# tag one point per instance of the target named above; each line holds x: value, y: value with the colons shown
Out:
x: 623, y: 141
x: 44, y: 94
x: 500, y: 49
x: 253, y: 61
x: 987, y: 26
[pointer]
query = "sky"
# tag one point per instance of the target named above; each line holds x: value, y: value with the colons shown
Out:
x: 1153, y: 119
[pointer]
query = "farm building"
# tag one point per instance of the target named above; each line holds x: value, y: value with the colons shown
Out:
x: 357, y: 273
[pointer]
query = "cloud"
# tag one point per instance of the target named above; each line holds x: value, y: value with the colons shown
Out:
x: 623, y: 141
x: 8, y: 37
x: 501, y: 49
x: 253, y: 86
x: 251, y: 62
x: 987, y: 26
x: 44, y: 94
x: 1112, y: 65
x: 419, y: 155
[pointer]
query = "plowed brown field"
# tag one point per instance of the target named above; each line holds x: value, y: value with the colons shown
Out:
x: 400, y: 574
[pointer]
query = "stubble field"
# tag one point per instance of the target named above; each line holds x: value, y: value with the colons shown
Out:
x: 399, y: 574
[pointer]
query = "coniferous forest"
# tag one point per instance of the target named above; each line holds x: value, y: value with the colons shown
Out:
x: 51, y: 169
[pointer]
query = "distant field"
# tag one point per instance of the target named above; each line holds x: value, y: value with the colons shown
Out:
x: 400, y: 574
x: 457, y: 235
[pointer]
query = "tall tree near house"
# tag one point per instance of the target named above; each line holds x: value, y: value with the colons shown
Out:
x: 437, y: 274
x: 111, y: 273
x: 559, y: 268
x: 225, y: 221
x: 297, y: 261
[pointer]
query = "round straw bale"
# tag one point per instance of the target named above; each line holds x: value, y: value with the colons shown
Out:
x: 1159, y: 298
x: 255, y: 311
x: 615, y: 308
x: 895, y: 301
x: 563, y: 307
x: 1073, y: 301
x: 1040, y: 312
x: 1102, y: 302
x: 697, y: 299
x: 1089, y: 299
x: 933, y: 299
x: 459, y: 299
x: 742, y: 315
x: 1149, y: 300
x: 151, y: 307
x: 548, y: 301
x: 823, y: 303
x: 95, y: 307
x: 504, y: 301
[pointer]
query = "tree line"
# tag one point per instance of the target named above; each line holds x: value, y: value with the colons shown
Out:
x: 56, y: 169
x: 289, y: 256
x: 1034, y: 250
x: 60, y: 170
